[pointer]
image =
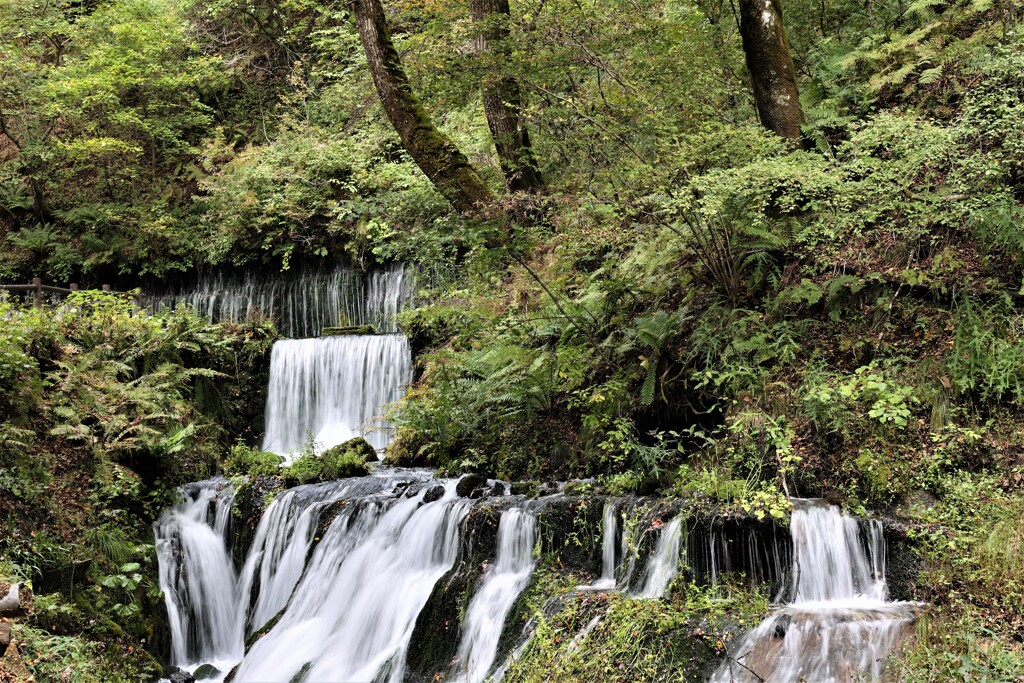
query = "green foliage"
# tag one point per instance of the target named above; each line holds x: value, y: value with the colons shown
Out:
x: 637, y: 640
x: 350, y: 459
x: 245, y: 461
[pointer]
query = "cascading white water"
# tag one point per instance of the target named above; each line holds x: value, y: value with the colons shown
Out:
x: 663, y: 564
x: 302, y: 304
x: 609, y: 531
x: 501, y: 585
x: 331, y: 389
x: 352, y: 614
x: 198, y: 578
x: 352, y: 607
x: 839, y: 627
x: 277, y: 556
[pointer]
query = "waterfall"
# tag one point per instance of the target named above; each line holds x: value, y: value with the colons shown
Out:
x: 721, y: 545
x: 198, y: 578
x: 609, y: 531
x: 277, y: 556
x: 330, y: 389
x: 839, y: 626
x: 501, y: 585
x: 301, y: 304
x: 352, y: 614
x: 663, y: 565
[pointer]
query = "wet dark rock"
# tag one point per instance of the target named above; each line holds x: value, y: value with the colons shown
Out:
x: 251, y: 501
x: 251, y: 639
x: 902, y: 560
x: 436, y: 635
x: 530, y: 489
x: 547, y: 489
x: 782, y: 625
x: 433, y: 493
x: 498, y: 489
x: 179, y: 676
x: 205, y: 672
x: 471, y: 484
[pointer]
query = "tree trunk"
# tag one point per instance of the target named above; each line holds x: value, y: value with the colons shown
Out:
x: 771, y: 67
x: 433, y: 152
x: 503, y: 100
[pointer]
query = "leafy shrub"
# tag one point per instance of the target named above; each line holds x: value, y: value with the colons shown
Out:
x: 350, y: 459
x: 243, y: 460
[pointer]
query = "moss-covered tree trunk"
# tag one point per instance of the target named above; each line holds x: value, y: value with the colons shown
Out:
x: 771, y: 67
x: 503, y: 100
x: 433, y: 152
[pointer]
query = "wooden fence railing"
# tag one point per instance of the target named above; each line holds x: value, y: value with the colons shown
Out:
x: 37, y: 289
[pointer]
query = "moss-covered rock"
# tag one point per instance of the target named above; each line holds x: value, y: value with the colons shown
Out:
x: 350, y: 459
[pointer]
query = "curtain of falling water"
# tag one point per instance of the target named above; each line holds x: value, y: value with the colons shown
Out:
x: 839, y: 626
x: 331, y: 389
x: 501, y: 585
x: 301, y: 304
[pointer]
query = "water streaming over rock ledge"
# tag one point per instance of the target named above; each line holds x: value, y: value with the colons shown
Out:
x: 839, y: 626
x: 504, y: 581
x: 331, y: 389
x: 302, y: 303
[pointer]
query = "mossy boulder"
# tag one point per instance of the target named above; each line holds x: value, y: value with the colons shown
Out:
x: 206, y: 672
x: 350, y: 459
x: 245, y: 461
x: 347, y: 329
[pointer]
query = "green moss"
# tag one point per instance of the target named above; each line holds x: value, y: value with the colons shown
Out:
x: 246, y: 461
x: 350, y: 459
x: 636, y: 640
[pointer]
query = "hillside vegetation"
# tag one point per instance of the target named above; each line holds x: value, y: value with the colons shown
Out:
x: 656, y: 290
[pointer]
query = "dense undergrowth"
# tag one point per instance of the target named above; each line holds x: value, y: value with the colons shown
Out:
x: 106, y: 411
x: 697, y: 307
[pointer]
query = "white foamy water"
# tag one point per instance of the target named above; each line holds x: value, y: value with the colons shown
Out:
x: 352, y: 614
x: 277, y: 558
x: 198, y: 578
x: 501, y: 585
x: 301, y: 304
x: 663, y: 564
x: 609, y: 531
x: 839, y: 627
x: 332, y: 389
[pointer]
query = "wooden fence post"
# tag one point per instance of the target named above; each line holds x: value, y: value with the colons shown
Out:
x: 37, y: 295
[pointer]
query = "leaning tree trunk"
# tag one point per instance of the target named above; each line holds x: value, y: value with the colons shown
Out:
x: 503, y: 100
x: 433, y: 152
x: 771, y: 67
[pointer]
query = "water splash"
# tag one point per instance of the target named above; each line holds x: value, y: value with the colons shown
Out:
x: 331, y: 389
x: 663, y: 564
x: 501, y: 585
x: 301, y: 304
x: 839, y: 626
